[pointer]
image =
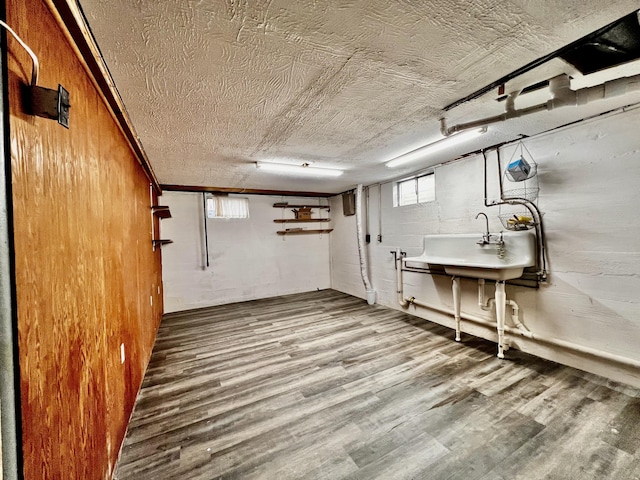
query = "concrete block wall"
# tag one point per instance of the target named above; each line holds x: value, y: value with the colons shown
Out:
x: 247, y: 259
x: 588, y: 175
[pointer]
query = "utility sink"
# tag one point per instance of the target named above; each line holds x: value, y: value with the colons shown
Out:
x: 461, y: 255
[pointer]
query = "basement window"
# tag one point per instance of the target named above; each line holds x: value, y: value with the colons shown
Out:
x: 419, y: 189
x: 227, y: 207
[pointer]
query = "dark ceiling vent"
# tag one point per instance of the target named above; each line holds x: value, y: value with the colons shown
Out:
x: 613, y: 44
x: 618, y: 44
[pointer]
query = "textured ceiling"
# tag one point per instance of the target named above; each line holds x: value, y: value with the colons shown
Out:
x: 214, y: 86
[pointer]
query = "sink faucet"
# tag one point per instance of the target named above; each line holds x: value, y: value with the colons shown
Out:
x: 486, y: 237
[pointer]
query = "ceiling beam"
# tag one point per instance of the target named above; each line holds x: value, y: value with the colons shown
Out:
x: 247, y: 191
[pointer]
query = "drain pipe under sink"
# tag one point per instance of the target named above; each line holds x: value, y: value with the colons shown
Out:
x: 487, y: 305
x: 405, y: 302
x: 371, y: 293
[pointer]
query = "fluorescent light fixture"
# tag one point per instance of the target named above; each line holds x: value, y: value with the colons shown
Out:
x: 446, y: 142
x: 303, y: 169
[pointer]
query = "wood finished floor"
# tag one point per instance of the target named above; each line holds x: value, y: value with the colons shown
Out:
x: 324, y: 386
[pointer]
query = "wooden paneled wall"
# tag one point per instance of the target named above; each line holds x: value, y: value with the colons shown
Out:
x: 87, y: 278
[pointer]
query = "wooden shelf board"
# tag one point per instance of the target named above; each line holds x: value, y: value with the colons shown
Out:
x: 161, y: 211
x: 292, y: 205
x: 295, y: 220
x: 303, y: 232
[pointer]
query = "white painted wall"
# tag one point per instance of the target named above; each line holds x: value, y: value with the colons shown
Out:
x: 248, y: 260
x: 589, y: 179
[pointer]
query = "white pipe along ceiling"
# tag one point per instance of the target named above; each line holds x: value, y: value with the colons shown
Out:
x: 211, y: 88
x: 561, y: 96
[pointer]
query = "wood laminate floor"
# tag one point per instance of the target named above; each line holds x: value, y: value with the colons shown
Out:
x: 324, y: 386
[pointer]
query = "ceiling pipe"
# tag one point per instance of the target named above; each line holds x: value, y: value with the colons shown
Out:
x: 561, y: 96
x: 573, y: 46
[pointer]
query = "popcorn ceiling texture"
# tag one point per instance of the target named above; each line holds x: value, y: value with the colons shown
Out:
x: 213, y: 86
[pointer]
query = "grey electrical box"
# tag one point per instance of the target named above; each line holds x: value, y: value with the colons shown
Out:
x: 348, y: 204
x: 49, y: 103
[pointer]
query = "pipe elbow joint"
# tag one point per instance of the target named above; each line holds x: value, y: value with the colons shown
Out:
x: 443, y: 128
x: 510, y: 105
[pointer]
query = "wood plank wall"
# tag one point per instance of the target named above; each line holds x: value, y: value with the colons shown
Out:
x: 86, y: 272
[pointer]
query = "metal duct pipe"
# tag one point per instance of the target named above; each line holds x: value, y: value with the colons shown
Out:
x: 561, y: 96
x: 371, y: 293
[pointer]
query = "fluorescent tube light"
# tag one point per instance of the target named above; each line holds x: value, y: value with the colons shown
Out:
x: 446, y: 142
x: 304, y: 169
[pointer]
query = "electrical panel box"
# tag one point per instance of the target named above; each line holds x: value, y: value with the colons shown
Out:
x: 348, y: 204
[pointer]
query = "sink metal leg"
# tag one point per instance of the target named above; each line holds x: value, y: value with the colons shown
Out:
x: 501, y: 303
x: 455, y: 285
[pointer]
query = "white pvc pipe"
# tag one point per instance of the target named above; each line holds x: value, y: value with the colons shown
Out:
x: 515, y: 316
x: 514, y: 331
x: 482, y: 302
x: 487, y: 305
x: 561, y: 96
x: 370, y: 292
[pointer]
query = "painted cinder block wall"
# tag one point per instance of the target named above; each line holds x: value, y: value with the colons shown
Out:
x: 87, y: 278
x: 588, y: 177
x: 247, y: 259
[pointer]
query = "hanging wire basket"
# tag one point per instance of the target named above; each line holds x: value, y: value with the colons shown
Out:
x: 527, y: 193
x: 517, y: 221
x: 521, y: 167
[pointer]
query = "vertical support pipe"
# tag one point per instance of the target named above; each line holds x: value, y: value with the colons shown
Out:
x: 455, y: 286
x: 153, y: 220
x: 501, y: 307
x: 399, y: 285
x: 379, y: 213
x: 206, y: 234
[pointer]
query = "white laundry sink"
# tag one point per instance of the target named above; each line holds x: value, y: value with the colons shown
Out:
x: 461, y: 255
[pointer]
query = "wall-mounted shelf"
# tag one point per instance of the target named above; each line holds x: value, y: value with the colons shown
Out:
x: 291, y: 205
x: 161, y: 211
x: 305, y: 219
x: 303, y: 232
x: 519, y: 182
x: 159, y: 243
x: 295, y: 220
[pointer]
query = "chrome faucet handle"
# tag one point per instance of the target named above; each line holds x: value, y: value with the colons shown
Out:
x: 501, y: 251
